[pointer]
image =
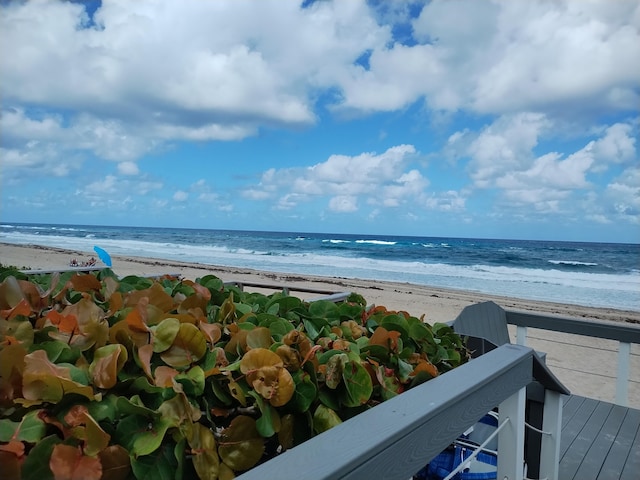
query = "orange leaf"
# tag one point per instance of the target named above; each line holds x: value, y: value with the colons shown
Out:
x: 76, y: 415
x: 164, y: 376
x: 85, y: 283
x: 144, y: 354
x: 211, y: 331
x: 68, y: 463
x: 426, y: 366
x: 259, y: 357
x: 107, y: 363
x: 15, y: 447
x: 137, y: 318
x: 65, y: 323
x: 23, y: 308
x: 155, y: 295
x: 45, y: 381
x: 200, y: 289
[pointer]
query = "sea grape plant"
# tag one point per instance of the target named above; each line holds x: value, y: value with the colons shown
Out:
x: 110, y: 378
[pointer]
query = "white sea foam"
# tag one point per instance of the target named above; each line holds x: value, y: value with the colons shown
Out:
x: 571, y: 262
x: 579, y: 287
x: 376, y: 242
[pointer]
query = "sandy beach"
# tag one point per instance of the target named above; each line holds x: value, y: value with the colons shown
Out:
x: 585, y: 365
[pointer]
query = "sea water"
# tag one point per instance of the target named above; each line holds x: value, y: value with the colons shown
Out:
x: 589, y: 274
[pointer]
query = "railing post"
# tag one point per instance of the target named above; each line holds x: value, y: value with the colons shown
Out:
x: 521, y: 335
x: 622, y: 380
x: 550, y: 442
x: 511, y: 438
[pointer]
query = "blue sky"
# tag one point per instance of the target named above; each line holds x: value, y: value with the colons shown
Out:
x: 468, y: 118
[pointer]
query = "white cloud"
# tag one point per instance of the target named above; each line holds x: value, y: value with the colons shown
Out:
x: 624, y: 194
x: 196, y: 70
x: 380, y: 178
x: 504, y: 146
x: 128, y: 168
x: 500, y: 57
x: 449, y: 201
x: 617, y: 146
x: 180, y: 196
x: 343, y: 204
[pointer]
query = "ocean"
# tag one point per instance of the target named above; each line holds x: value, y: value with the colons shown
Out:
x: 589, y: 274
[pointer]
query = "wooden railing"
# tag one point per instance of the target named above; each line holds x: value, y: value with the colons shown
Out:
x: 395, y: 439
x: 624, y: 334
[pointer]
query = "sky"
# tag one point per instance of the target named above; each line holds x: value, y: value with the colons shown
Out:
x: 461, y: 118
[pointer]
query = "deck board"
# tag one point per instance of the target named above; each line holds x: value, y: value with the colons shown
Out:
x: 600, y: 441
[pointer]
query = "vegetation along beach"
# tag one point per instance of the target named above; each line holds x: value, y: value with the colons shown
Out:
x: 442, y: 284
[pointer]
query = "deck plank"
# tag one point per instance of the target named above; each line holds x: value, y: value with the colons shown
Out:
x: 594, y: 459
x: 572, y: 427
x: 586, y: 430
x: 632, y: 465
x: 599, y: 441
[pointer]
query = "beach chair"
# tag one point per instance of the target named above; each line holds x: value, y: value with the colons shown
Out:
x: 485, y: 325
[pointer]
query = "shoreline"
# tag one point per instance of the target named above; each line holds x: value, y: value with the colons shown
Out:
x: 438, y: 304
x: 586, y: 365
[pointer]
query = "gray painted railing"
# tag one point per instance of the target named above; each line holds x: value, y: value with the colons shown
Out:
x: 624, y: 334
x: 395, y: 439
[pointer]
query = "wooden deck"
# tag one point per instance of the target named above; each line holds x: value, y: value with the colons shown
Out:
x: 600, y: 441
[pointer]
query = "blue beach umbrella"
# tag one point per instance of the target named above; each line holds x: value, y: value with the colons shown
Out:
x: 104, y: 256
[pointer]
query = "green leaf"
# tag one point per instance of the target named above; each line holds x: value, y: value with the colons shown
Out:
x: 358, y: 385
x: 160, y: 465
x: 325, y: 418
x: 205, y: 458
x: 134, y: 406
x: 189, y: 346
x: 241, y: 446
x: 149, y: 440
x: 165, y: 333
x: 325, y: 309
x: 192, y: 381
x: 30, y: 429
x: 335, y: 370
x: 36, y: 465
x: 305, y: 392
x: 419, y: 330
x: 311, y: 330
x: 398, y: 323
x: 269, y: 422
x: 279, y: 328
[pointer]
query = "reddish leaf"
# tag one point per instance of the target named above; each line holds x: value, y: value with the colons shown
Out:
x: 23, y: 308
x: 46, y: 381
x: 211, y: 331
x: 68, y: 463
x: 15, y: 447
x: 10, y: 466
x: 144, y: 354
x: 164, y: 376
x: 76, y: 415
x: 115, y: 463
x: 200, y: 289
x: 85, y: 283
x: 155, y: 295
x: 107, y: 363
x: 65, y: 323
x: 137, y: 318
